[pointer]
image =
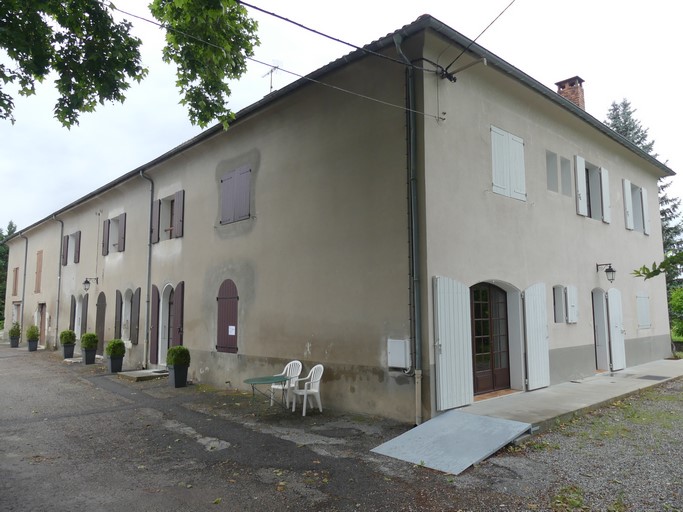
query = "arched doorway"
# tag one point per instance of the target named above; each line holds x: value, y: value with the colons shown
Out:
x: 165, y: 322
x: 490, y: 338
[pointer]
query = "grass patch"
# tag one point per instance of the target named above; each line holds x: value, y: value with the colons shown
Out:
x: 569, y: 498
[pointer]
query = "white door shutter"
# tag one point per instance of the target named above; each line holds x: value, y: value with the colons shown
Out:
x: 604, y: 187
x: 616, y: 329
x: 581, y: 192
x: 646, y: 213
x: 501, y: 173
x: 572, y: 304
x: 452, y: 344
x: 628, y: 205
x: 517, y: 178
x: 536, y: 331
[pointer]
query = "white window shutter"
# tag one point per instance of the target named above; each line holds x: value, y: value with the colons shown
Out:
x: 499, y: 152
x: 581, y: 192
x: 452, y: 343
x: 572, y: 304
x: 643, y: 309
x: 604, y: 187
x: 646, y: 213
x: 628, y: 205
x: 537, y: 337
x: 517, y: 178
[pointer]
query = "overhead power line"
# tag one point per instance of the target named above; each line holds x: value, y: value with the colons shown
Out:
x: 337, y: 40
x: 280, y: 68
x: 482, y: 33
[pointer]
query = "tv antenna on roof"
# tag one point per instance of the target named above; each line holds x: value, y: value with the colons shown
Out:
x: 272, y: 71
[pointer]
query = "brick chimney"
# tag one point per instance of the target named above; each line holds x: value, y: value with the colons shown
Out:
x: 572, y: 90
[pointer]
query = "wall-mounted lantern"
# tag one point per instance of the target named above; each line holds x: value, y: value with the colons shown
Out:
x: 609, y: 271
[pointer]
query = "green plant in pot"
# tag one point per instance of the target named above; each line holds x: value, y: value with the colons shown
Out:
x: 32, y: 336
x: 115, y: 349
x: 14, y: 335
x: 89, y: 347
x: 178, y: 362
x: 68, y: 340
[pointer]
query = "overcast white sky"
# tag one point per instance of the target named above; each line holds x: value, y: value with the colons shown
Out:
x: 621, y: 48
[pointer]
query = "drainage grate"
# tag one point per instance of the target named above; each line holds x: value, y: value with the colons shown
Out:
x: 653, y: 377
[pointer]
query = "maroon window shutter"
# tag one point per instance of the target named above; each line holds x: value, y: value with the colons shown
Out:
x: 135, y: 318
x: 65, y: 250
x: 226, y: 337
x: 154, y: 327
x: 84, y: 315
x: 122, y: 233
x: 72, y: 314
x: 77, y: 246
x: 117, y: 315
x: 178, y: 299
x: 228, y: 198
x: 242, y: 193
x: 156, y: 209
x: 178, y: 220
x: 105, y: 237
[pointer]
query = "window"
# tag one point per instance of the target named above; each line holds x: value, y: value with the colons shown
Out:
x: 643, y: 307
x: 127, y: 315
x: 559, y: 177
x: 16, y: 311
x: 508, y: 164
x: 236, y: 195
x: 39, y: 270
x: 565, y: 304
x: 114, y: 235
x: 71, y: 248
x: 592, y: 191
x: 636, y: 215
x: 168, y: 217
x: 15, y: 281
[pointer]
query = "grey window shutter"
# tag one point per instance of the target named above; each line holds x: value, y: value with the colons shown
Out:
x: 117, y: 315
x: 135, y: 318
x: 178, y: 214
x: 77, y: 246
x: 154, y: 327
x: 242, y: 193
x: 84, y: 315
x: 65, y: 249
x: 105, y: 237
x: 156, y: 209
x: 122, y: 233
x: 178, y: 307
x: 72, y: 314
x: 228, y: 198
x: 226, y: 339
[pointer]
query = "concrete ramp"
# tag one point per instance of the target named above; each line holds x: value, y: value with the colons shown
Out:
x: 453, y: 441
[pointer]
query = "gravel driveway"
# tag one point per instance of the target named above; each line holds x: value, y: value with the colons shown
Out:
x: 74, y: 438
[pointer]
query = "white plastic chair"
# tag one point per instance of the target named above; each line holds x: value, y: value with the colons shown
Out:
x: 292, y: 369
x: 311, y: 387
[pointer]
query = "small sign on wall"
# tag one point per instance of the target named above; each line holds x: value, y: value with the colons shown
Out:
x: 231, y: 330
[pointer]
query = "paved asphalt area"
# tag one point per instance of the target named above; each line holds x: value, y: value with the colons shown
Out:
x: 73, y: 437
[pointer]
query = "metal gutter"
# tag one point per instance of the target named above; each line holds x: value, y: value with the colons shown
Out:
x: 23, y: 282
x: 59, y: 278
x: 149, y: 270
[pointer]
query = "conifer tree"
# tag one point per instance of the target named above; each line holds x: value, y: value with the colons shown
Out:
x: 4, y: 255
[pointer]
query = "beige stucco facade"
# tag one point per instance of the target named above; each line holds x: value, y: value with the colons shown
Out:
x: 322, y: 265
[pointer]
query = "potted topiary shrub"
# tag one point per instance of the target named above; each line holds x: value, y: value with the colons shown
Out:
x: 177, y: 361
x: 32, y: 335
x: 68, y: 340
x: 89, y: 347
x: 115, y: 349
x: 14, y: 335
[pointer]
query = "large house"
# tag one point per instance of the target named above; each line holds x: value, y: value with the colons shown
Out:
x: 419, y: 216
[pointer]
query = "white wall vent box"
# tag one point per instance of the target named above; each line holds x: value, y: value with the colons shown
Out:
x: 398, y: 354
